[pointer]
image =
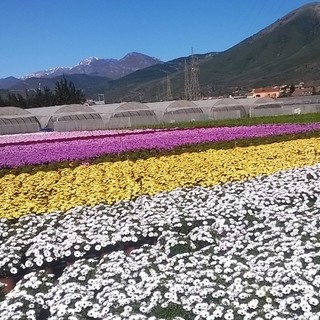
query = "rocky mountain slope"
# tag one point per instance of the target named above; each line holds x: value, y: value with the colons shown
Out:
x: 110, y: 68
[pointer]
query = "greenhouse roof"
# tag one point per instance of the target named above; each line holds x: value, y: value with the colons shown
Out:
x: 13, y: 111
x: 181, y: 104
x: 227, y: 102
x: 206, y: 104
x: 74, y: 108
x: 129, y: 106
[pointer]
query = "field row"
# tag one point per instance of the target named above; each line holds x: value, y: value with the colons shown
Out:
x: 109, y: 182
x: 58, y: 148
x: 244, y: 250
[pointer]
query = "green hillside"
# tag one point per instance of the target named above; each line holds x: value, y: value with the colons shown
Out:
x: 288, y: 51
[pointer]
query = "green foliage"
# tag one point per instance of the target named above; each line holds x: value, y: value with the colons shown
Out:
x: 2, y: 102
x: 171, y: 311
x: 65, y: 93
x: 41, y: 98
x: 3, y: 94
x: 2, y: 295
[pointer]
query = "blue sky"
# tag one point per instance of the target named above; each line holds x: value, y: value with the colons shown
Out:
x: 37, y: 35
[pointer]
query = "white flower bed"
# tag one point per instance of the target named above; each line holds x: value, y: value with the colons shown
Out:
x: 245, y: 250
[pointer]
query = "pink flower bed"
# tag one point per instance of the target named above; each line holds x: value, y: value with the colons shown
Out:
x: 29, y: 138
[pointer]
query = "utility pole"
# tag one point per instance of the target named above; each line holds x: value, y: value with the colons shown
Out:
x: 194, y: 78
x: 191, y: 79
x: 169, y: 93
x: 186, y: 81
x: 163, y: 91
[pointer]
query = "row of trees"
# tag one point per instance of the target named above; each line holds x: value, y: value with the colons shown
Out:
x: 64, y: 93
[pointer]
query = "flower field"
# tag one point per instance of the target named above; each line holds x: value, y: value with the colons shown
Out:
x: 42, y: 149
x: 220, y: 233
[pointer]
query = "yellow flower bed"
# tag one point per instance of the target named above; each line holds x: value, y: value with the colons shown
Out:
x: 47, y: 191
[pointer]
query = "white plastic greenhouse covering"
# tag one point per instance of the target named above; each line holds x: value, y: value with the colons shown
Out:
x: 261, y: 107
x: 228, y: 109
x: 80, y: 121
x: 304, y: 104
x: 183, y: 111
x: 135, y: 114
x: 74, y: 117
x: 16, y: 120
x: 206, y: 106
x: 126, y: 115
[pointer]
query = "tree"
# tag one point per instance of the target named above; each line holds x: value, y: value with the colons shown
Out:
x: 49, y: 98
x: 66, y: 93
x: 2, y: 102
x: 12, y: 100
x: 22, y: 102
x: 44, y: 98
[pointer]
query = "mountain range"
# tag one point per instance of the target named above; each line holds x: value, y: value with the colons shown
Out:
x: 86, y: 74
x: 110, y: 68
x: 286, y: 52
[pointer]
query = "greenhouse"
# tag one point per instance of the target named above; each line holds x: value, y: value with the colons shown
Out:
x: 206, y: 106
x: 126, y: 115
x: 16, y: 120
x: 303, y: 104
x: 261, y: 107
x: 79, y: 117
x: 183, y: 111
x: 74, y: 117
x: 228, y: 109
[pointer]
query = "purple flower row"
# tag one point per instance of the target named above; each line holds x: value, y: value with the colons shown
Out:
x: 14, y: 155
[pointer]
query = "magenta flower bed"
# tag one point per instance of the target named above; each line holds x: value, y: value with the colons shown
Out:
x: 41, y: 152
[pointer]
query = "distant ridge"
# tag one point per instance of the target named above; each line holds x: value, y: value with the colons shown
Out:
x: 8, y: 82
x: 110, y: 68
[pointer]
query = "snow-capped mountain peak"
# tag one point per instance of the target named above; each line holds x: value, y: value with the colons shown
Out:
x: 111, y: 68
x: 87, y: 61
x: 47, y: 73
